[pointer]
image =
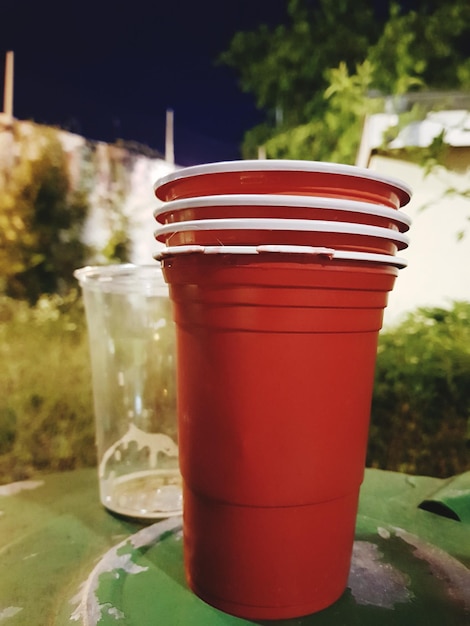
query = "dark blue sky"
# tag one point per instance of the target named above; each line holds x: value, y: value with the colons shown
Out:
x: 109, y: 70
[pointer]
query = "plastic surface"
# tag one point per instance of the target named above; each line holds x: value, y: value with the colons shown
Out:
x: 256, y: 231
x: 283, y: 176
x: 276, y: 358
x: 123, y: 278
x: 268, y: 562
x: 281, y: 206
x: 329, y: 253
x: 452, y: 499
x: 132, y: 350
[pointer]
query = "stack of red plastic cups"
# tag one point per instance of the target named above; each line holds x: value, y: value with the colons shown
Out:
x: 279, y: 273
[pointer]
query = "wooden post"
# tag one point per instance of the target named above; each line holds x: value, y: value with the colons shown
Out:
x: 364, y: 151
x: 169, y: 139
x: 8, y: 87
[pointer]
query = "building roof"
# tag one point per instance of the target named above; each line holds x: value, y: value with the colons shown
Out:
x: 454, y: 126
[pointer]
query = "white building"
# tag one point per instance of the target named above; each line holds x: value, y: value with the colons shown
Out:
x: 438, y: 257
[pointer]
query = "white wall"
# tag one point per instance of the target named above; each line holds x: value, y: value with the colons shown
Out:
x: 438, y: 269
x: 132, y: 193
x: 141, y: 204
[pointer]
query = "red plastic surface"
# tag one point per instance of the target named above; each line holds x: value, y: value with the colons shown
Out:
x: 284, y: 182
x: 276, y: 362
x: 229, y: 237
x: 268, y: 563
x: 225, y: 211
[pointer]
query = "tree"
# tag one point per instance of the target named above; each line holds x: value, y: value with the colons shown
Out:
x: 41, y: 219
x: 335, y: 135
x: 284, y: 68
x: 305, y: 73
x: 426, y: 46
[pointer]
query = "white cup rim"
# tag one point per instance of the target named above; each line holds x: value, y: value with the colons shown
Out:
x: 288, y: 201
x: 327, y: 253
x: 282, y: 165
x: 284, y: 225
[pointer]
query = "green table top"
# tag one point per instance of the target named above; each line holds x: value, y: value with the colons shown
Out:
x: 66, y: 561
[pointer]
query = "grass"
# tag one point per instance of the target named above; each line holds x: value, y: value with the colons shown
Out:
x: 46, y: 412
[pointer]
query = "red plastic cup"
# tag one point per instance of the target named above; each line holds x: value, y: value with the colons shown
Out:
x: 309, y: 178
x: 276, y: 357
x: 322, y: 252
x: 256, y: 231
x: 281, y: 206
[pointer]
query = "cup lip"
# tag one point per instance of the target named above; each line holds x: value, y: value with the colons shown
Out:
x: 288, y: 201
x: 122, y: 277
x: 285, y: 165
x: 281, y: 224
x: 326, y: 253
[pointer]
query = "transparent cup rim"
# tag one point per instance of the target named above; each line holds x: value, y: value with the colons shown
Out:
x: 123, y: 278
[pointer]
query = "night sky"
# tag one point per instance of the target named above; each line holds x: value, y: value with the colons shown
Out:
x: 110, y: 71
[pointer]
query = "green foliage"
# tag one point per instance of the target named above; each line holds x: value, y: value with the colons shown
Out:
x: 336, y: 136
x: 423, y: 46
x: 421, y: 404
x: 41, y: 219
x: 398, y: 69
x: 46, y: 412
x: 284, y: 67
x: 117, y: 248
x: 314, y: 75
x: 296, y: 143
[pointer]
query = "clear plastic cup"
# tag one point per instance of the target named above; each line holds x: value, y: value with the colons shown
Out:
x: 132, y: 349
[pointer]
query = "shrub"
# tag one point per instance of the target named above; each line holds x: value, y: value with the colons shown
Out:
x: 46, y: 413
x: 421, y: 403
x: 41, y: 216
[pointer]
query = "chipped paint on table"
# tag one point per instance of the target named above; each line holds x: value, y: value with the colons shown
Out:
x: 67, y: 562
x: 9, y: 611
x: 117, y: 563
x: 22, y: 485
x: 393, y: 573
